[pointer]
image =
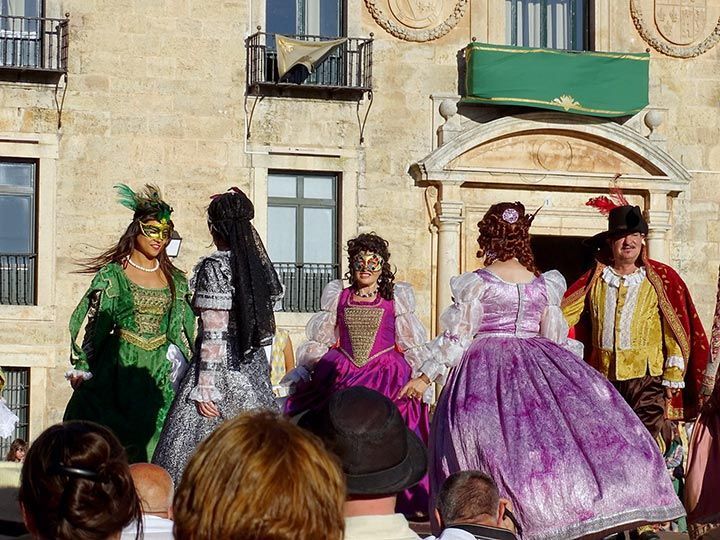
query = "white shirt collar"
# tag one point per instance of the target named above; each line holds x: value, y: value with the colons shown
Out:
x: 386, y: 527
x: 612, y: 278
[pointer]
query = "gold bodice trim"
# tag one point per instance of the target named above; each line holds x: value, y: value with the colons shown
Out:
x: 363, y: 324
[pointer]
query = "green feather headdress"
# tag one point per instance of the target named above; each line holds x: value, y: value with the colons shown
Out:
x: 146, y: 201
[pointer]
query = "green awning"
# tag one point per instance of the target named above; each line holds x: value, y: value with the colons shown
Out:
x: 593, y: 83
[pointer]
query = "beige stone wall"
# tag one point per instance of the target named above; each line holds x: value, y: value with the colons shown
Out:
x: 156, y: 93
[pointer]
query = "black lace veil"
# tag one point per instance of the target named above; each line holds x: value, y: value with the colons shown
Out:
x: 257, y: 286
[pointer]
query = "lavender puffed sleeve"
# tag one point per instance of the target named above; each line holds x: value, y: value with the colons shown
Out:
x: 410, y: 334
x: 553, y: 324
x: 321, y: 330
x: 458, y: 325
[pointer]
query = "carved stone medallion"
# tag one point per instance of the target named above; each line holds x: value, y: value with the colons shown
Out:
x: 417, y: 20
x: 680, y: 28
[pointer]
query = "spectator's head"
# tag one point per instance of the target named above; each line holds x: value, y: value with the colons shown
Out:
x: 155, y: 488
x: 18, y: 449
x: 380, y: 456
x: 76, y: 484
x: 260, y: 476
x: 471, y: 497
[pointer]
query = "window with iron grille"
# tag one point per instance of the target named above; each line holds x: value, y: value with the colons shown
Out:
x: 302, y: 235
x: 18, y: 181
x: 553, y: 24
x: 17, y: 398
x: 21, y: 33
x: 311, y: 20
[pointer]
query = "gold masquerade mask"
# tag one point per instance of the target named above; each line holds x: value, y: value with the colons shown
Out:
x: 366, y: 261
x: 161, y: 231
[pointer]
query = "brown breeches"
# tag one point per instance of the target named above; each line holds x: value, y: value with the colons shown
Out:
x: 646, y: 396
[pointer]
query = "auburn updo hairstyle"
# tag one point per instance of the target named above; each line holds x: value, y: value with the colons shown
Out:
x: 505, y: 233
x: 373, y: 243
x: 76, y: 484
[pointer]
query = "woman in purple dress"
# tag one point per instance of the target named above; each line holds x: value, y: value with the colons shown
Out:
x: 366, y: 335
x: 521, y: 405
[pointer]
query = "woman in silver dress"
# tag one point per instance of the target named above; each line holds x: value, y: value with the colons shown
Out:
x: 234, y: 291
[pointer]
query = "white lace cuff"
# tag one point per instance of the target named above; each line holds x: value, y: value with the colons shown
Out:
x: 205, y: 394
x: 86, y: 375
x: 674, y: 384
x: 675, y: 361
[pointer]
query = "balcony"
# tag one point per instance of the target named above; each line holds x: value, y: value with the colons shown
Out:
x: 600, y: 84
x: 345, y: 74
x: 17, y: 279
x: 304, y: 283
x: 33, y: 49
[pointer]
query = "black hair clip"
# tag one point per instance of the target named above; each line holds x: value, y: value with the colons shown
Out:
x: 60, y: 468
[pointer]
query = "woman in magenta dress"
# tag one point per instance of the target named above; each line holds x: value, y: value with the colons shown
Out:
x: 368, y: 335
x: 521, y: 405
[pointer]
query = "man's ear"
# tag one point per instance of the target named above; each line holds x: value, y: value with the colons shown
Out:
x: 439, y: 519
x: 502, y: 521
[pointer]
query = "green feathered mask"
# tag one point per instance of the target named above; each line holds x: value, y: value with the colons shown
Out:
x: 146, y: 201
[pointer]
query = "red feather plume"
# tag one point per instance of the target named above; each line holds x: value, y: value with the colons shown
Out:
x: 603, y: 204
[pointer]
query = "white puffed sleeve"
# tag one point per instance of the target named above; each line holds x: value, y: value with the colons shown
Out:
x: 553, y: 324
x: 321, y: 330
x: 458, y: 325
x: 410, y: 334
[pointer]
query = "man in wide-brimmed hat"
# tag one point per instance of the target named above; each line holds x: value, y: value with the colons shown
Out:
x: 639, y: 326
x: 638, y: 322
x: 380, y: 457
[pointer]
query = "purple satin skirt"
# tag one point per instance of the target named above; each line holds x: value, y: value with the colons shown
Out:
x: 386, y: 374
x: 555, y: 435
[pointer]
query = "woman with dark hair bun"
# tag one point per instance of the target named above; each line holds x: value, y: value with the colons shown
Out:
x: 367, y: 335
x: 138, y: 331
x: 76, y: 485
x: 235, y: 289
x: 520, y: 404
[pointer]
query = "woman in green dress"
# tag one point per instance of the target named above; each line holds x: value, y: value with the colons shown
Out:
x: 138, y: 332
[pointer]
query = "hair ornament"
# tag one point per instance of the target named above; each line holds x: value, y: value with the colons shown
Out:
x: 510, y: 215
x: 62, y: 469
x: 146, y: 201
x: 233, y: 189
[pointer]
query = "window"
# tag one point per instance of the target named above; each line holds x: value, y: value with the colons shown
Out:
x: 554, y: 24
x: 312, y: 20
x: 20, y: 33
x: 17, y: 231
x: 17, y: 398
x: 302, y: 235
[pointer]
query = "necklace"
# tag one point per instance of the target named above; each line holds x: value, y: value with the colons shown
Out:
x: 142, y: 268
x: 367, y: 294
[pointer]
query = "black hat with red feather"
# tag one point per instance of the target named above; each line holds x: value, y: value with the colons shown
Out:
x: 623, y: 218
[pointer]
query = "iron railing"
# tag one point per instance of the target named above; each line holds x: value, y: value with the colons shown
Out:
x: 17, y: 279
x: 304, y: 283
x: 17, y: 398
x: 348, y: 67
x: 33, y: 44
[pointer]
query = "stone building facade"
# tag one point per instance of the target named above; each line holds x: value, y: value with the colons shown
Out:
x: 156, y: 92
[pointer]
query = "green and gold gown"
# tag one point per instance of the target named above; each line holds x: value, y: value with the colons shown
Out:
x: 132, y: 338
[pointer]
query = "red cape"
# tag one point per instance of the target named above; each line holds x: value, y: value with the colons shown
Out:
x: 678, y: 310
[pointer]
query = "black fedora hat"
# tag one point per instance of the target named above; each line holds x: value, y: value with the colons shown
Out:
x: 379, y: 454
x: 622, y: 220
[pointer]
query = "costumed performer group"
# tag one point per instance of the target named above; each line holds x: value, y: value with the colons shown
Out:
x: 570, y: 442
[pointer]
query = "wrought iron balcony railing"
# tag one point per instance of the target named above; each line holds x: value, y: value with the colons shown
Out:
x: 33, y: 47
x: 17, y: 279
x: 304, y: 283
x: 347, y: 70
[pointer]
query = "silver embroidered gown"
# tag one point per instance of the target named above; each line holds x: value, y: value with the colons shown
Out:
x: 220, y: 373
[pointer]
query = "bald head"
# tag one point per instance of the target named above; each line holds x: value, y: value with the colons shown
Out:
x: 155, y: 488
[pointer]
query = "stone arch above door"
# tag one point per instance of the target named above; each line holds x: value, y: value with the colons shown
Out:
x: 569, y: 157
